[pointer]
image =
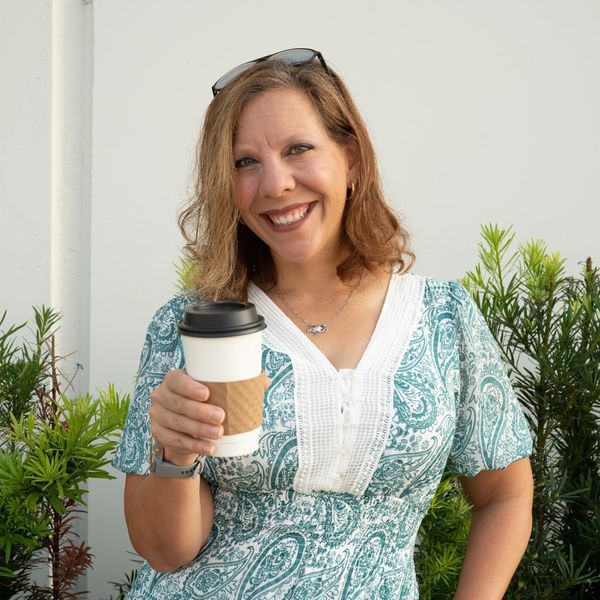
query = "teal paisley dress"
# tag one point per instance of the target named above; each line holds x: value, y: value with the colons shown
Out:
x: 330, y: 505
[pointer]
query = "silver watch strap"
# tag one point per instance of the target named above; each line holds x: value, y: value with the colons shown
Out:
x: 165, y: 469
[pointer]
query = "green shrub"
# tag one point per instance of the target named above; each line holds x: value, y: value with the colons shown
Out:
x: 50, y: 445
x: 548, y: 327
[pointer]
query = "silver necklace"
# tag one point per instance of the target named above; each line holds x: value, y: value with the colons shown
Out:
x: 318, y: 328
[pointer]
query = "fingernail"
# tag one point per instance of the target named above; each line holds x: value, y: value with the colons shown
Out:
x: 218, y: 415
x: 202, y: 393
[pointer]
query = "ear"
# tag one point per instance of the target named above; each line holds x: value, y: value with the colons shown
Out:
x: 352, y: 159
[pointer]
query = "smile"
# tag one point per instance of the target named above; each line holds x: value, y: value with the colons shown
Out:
x: 289, y: 216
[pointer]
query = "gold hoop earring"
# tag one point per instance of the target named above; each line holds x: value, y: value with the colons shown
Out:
x: 350, y: 191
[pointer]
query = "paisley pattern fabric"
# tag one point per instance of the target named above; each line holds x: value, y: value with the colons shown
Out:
x: 451, y: 407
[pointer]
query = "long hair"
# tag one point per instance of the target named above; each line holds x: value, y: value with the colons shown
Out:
x: 225, y: 254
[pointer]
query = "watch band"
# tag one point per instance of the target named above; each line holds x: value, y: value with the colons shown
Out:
x: 159, y: 467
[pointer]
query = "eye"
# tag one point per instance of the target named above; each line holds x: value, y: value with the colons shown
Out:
x: 300, y: 148
x: 244, y: 162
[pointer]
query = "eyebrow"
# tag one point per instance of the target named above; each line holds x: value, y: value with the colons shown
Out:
x: 295, y: 138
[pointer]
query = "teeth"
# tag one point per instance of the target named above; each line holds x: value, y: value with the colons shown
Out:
x: 290, y: 218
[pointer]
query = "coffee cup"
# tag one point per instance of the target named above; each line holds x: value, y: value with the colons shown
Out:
x: 222, y: 347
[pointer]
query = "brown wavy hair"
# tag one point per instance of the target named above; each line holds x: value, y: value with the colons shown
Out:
x: 225, y: 254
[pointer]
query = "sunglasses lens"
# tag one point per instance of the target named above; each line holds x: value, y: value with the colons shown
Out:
x: 231, y: 75
x: 295, y: 56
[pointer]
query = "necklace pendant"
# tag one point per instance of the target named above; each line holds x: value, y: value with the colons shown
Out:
x: 317, y: 329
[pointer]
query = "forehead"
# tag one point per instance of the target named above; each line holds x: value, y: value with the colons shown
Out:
x: 277, y: 113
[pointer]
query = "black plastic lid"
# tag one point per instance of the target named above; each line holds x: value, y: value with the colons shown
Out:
x: 220, y: 319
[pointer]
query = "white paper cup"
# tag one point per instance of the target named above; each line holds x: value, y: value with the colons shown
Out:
x: 223, y: 359
x: 222, y: 346
x: 238, y: 444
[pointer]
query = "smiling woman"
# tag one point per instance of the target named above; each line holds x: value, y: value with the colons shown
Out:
x: 380, y: 379
x: 317, y: 104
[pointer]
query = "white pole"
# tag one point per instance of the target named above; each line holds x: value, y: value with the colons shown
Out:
x: 72, y: 76
x: 70, y: 198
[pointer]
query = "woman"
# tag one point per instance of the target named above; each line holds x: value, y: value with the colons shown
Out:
x: 380, y: 379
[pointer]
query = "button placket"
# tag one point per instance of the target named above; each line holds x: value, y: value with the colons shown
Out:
x: 348, y: 397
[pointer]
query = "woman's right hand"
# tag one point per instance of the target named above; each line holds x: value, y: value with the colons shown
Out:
x: 182, y: 420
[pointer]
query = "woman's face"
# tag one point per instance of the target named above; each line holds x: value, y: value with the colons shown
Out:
x: 291, y: 178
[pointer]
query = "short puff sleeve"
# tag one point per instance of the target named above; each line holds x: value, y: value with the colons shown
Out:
x: 491, y: 430
x: 161, y: 353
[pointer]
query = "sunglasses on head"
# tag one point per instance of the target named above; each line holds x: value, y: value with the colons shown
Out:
x: 293, y: 56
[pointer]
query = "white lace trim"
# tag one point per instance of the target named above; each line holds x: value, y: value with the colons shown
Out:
x: 343, y: 417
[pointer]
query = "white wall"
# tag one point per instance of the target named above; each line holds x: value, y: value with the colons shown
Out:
x: 25, y: 52
x: 480, y: 112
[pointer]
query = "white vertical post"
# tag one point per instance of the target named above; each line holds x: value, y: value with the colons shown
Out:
x: 72, y: 77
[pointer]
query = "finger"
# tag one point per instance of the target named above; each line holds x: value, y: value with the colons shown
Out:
x: 199, y: 411
x: 175, y: 421
x: 180, y: 441
x: 180, y: 383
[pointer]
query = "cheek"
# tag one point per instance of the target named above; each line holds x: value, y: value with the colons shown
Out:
x: 243, y: 195
x: 330, y: 174
x: 322, y: 178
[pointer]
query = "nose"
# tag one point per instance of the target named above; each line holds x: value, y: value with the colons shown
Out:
x: 277, y: 178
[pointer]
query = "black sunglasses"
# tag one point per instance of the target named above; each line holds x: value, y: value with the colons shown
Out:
x: 294, y: 56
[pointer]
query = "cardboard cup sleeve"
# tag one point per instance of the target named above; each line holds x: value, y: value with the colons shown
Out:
x: 242, y: 402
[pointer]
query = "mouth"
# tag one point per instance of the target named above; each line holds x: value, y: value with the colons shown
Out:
x: 289, y: 217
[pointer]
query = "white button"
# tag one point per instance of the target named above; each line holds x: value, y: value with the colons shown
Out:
x: 337, y: 477
x: 344, y: 450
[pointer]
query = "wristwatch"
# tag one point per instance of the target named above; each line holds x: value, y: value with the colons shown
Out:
x: 159, y: 467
